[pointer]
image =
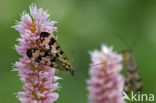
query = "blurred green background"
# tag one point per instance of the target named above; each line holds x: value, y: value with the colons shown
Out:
x: 83, y: 25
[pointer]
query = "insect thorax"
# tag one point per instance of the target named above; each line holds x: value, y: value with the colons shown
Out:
x: 127, y: 53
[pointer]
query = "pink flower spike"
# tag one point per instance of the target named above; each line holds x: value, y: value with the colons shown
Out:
x: 39, y: 80
x: 105, y: 82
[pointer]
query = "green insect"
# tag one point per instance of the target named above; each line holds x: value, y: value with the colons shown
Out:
x: 49, y: 53
x: 132, y: 77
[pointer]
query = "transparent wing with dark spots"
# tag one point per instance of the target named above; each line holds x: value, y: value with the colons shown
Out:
x: 49, y: 43
x: 41, y: 56
x: 132, y: 79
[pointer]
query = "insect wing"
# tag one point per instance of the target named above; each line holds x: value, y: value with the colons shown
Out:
x: 40, y: 56
x: 49, y: 43
x: 133, y: 79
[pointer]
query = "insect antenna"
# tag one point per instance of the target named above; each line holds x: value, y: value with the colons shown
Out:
x: 123, y: 40
x: 75, y: 77
x: 134, y: 41
x: 126, y: 43
x: 53, y: 76
x: 92, y: 65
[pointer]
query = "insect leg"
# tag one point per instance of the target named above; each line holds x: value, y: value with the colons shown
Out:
x: 53, y: 76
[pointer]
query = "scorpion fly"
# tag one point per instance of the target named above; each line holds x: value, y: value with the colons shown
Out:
x: 49, y: 53
x: 132, y: 77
